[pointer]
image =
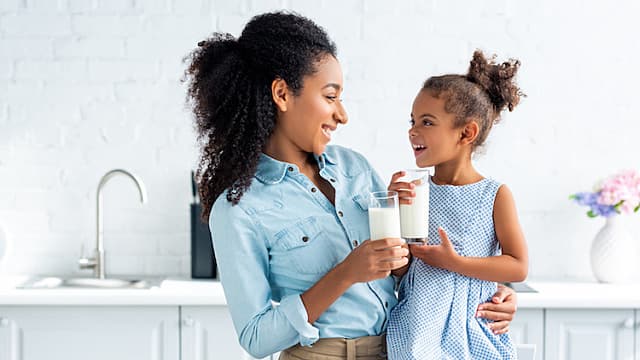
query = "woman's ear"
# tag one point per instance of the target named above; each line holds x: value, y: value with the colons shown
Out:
x: 280, y: 94
x: 469, y: 132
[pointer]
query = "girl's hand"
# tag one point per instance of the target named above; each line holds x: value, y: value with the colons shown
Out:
x: 442, y: 256
x: 500, y: 309
x: 404, y: 189
x: 374, y: 260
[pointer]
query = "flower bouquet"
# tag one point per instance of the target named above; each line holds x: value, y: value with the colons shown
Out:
x: 619, y: 194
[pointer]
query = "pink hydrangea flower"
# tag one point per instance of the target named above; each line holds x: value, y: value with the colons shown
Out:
x: 622, y: 191
x: 619, y: 194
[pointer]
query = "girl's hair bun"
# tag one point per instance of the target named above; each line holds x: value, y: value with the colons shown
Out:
x: 498, y: 80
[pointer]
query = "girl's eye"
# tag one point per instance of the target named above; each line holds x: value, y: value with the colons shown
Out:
x: 332, y: 98
x: 426, y: 123
x: 411, y: 122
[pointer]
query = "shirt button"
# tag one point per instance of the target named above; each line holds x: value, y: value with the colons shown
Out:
x: 355, y: 243
x: 340, y: 213
x: 386, y: 304
x: 332, y: 180
x: 313, y: 189
x: 290, y: 168
x: 305, y: 238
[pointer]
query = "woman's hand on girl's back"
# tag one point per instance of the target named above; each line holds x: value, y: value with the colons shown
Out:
x: 374, y: 260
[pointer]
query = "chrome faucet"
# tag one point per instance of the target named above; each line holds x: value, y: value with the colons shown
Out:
x: 98, y: 260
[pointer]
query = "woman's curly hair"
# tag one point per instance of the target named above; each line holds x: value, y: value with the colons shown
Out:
x: 482, y: 94
x: 229, y: 89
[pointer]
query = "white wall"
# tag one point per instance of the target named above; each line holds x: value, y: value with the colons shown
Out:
x: 91, y: 85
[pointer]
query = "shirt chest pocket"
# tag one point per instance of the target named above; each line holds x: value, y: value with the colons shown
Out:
x: 303, y: 247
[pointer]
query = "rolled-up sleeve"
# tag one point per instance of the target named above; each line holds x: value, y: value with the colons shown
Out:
x: 243, y: 260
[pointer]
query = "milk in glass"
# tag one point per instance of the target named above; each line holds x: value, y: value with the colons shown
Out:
x: 414, y: 217
x: 384, y: 215
x: 383, y: 223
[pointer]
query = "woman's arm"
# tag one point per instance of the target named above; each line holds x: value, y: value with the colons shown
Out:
x: 512, y: 265
x: 370, y: 261
x: 243, y: 261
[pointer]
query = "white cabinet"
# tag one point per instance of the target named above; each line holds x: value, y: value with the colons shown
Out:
x: 528, y: 328
x: 589, y: 334
x: 88, y: 332
x: 637, y: 330
x: 208, y: 334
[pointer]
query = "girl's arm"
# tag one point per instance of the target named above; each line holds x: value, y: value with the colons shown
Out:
x: 512, y: 265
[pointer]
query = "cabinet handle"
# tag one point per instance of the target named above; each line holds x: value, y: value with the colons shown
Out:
x: 188, y: 321
x: 4, y: 322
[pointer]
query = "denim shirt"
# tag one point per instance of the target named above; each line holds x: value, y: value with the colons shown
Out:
x: 282, y: 237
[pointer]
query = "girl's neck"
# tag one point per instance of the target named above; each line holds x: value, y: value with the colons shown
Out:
x: 455, y: 174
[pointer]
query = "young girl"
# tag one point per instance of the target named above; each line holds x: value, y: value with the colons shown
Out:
x: 475, y: 239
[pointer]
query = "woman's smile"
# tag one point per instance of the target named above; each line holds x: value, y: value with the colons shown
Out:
x: 327, y: 130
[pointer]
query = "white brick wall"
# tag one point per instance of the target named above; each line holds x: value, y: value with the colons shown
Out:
x: 91, y: 85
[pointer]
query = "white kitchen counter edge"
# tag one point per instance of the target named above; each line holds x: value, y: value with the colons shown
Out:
x: 550, y: 295
x: 207, y: 293
x: 581, y: 295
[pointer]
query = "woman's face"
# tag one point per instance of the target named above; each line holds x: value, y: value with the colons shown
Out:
x: 313, y: 115
x: 432, y: 134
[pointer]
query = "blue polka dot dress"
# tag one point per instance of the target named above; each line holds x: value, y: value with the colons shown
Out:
x: 435, y: 316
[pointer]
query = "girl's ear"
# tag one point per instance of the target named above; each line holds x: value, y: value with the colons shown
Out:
x: 469, y: 132
x: 280, y: 94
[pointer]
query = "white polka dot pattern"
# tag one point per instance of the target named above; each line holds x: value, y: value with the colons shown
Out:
x: 435, y: 318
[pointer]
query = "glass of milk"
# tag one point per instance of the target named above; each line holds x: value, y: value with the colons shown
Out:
x: 384, y: 215
x: 414, y: 218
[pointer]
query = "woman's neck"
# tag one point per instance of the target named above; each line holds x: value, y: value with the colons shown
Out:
x: 291, y: 154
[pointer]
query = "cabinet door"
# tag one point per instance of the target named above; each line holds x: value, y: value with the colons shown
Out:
x: 589, y: 334
x: 528, y: 328
x: 637, y: 333
x: 208, y: 334
x: 88, y: 332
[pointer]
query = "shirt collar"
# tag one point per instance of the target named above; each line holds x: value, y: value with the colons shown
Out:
x: 272, y: 171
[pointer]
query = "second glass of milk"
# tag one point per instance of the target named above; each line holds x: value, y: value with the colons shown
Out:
x: 384, y: 215
x: 414, y: 218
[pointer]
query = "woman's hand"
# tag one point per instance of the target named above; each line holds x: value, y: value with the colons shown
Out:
x: 500, y: 309
x: 374, y: 260
x: 442, y: 256
x: 404, y: 189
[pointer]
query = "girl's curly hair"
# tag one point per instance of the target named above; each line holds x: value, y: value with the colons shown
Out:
x: 482, y: 94
x: 229, y: 90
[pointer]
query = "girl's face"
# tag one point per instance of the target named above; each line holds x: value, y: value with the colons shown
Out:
x: 313, y: 115
x: 432, y: 134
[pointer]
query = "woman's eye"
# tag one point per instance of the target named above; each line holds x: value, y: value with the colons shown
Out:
x: 332, y: 98
x: 426, y: 123
x: 411, y: 122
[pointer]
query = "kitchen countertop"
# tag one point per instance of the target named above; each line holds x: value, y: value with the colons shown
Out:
x: 580, y: 295
x: 172, y: 292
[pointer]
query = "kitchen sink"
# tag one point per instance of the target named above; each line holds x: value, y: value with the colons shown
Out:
x: 88, y: 282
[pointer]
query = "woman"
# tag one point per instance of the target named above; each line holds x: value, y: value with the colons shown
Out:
x: 287, y: 213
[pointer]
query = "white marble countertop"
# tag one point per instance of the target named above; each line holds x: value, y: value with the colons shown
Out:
x: 578, y: 295
x: 581, y: 295
x: 169, y: 292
